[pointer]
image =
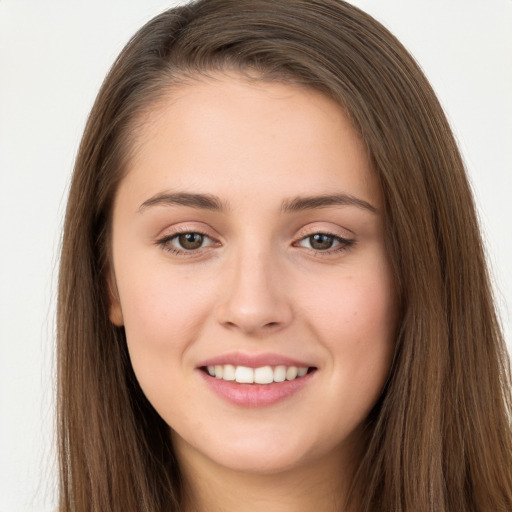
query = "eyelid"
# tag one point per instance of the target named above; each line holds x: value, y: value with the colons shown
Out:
x: 344, y: 243
x: 334, y: 237
x: 185, y: 227
x: 330, y: 229
x: 342, y: 240
x: 168, y: 235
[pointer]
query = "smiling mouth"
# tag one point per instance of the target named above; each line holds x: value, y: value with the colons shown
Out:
x: 260, y: 375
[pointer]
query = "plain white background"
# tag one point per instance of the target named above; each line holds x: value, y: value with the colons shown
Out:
x: 53, y: 57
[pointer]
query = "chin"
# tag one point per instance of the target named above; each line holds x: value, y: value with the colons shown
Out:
x: 256, y: 461
x: 257, y: 451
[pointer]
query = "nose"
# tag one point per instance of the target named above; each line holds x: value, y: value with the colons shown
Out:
x: 255, y: 299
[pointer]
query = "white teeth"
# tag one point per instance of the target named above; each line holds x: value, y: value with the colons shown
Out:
x: 261, y: 375
x: 279, y: 373
x: 301, y: 371
x: 229, y: 372
x: 243, y: 375
x: 291, y: 373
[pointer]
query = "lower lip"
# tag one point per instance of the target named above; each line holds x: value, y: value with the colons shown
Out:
x: 256, y: 395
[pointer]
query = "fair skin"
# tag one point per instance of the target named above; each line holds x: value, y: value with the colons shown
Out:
x: 248, y: 284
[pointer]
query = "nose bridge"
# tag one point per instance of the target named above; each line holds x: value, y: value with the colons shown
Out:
x: 255, y: 297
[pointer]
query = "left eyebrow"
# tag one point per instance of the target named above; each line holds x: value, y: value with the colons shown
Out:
x: 200, y: 201
x: 313, y: 202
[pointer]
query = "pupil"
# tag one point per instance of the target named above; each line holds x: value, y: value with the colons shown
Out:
x: 321, y: 241
x: 191, y: 240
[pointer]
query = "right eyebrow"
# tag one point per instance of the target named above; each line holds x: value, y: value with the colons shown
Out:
x: 201, y: 201
x: 298, y: 204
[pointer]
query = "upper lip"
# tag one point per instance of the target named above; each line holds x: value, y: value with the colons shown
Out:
x: 253, y: 360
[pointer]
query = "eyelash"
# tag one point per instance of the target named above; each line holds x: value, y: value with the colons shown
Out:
x: 344, y: 243
x: 165, y: 241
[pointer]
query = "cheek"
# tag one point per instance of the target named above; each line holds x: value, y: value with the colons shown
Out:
x: 354, y: 317
x: 157, y: 305
x: 358, y: 305
x: 162, y: 320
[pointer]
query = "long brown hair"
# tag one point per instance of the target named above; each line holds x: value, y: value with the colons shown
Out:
x: 440, y: 438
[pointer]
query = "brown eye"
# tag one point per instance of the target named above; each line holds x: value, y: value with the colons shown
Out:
x: 324, y: 243
x: 190, y: 241
x: 321, y: 241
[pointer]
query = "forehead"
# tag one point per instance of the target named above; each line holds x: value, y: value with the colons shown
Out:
x: 229, y: 136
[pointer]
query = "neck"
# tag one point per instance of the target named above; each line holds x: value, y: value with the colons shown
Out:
x: 315, y: 485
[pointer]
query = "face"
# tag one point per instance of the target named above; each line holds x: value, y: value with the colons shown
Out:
x: 252, y: 276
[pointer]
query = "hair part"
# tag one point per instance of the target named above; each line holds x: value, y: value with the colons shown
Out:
x: 439, y: 439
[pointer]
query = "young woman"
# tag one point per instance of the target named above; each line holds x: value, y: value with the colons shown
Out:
x: 273, y: 293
